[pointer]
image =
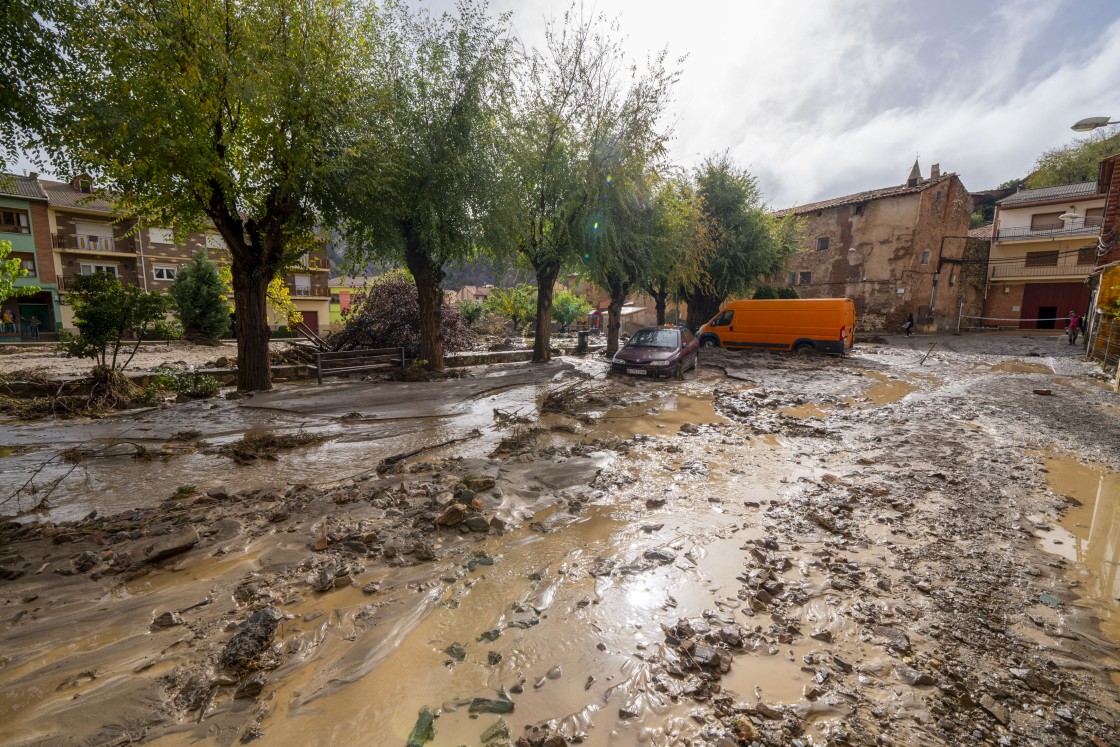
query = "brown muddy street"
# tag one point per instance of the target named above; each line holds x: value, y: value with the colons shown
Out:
x: 773, y: 551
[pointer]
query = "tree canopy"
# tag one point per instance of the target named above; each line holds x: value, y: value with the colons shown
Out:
x: 1076, y: 162
x: 12, y: 270
x: 207, y: 112
x: 200, y: 299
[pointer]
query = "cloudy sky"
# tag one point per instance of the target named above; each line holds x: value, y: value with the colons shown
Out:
x: 822, y: 98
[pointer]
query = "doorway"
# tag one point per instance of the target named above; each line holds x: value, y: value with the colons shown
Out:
x: 1046, y: 317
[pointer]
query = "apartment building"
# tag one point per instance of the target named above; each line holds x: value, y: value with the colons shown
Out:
x: 24, y: 225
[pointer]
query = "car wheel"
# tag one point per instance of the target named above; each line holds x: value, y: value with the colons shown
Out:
x: 710, y: 342
x: 805, y: 349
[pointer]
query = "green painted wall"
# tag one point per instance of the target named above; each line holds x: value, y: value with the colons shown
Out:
x: 21, y: 242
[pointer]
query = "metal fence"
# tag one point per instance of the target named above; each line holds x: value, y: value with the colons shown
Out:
x: 1104, y: 345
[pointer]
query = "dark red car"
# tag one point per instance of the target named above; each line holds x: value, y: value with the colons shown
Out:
x: 657, y: 351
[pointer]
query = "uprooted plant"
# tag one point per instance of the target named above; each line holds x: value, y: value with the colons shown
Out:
x: 255, y: 446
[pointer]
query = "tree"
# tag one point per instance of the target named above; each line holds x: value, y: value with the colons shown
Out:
x: 516, y: 304
x: 105, y: 310
x: 567, y: 307
x: 209, y: 111
x: 569, y: 95
x: 386, y: 314
x: 419, y: 171
x: 28, y: 36
x: 1076, y: 162
x: 200, y: 299
x: 12, y: 270
x: 471, y: 310
x: 749, y: 243
x: 277, y: 298
x: 683, y: 244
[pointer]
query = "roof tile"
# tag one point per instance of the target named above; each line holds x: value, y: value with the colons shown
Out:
x: 858, y: 197
x: 13, y: 185
x: 1078, y: 189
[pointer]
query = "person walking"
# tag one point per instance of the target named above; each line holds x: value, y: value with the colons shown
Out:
x: 34, y: 327
x: 908, y: 325
x: 1073, y: 327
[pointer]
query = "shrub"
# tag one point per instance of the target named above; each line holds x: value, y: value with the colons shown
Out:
x: 190, y: 384
x: 567, y: 307
x: 105, y: 310
x: 471, y: 310
x: 168, y: 330
x: 765, y: 292
x: 386, y: 314
x: 517, y: 304
x: 788, y: 292
x: 200, y: 299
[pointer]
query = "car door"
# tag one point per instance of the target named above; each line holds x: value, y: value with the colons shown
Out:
x: 691, y: 345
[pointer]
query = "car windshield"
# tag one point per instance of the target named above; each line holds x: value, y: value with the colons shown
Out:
x: 653, y: 338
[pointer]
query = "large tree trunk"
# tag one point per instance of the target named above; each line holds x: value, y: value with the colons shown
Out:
x: 660, y: 296
x: 546, y: 281
x: 614, y: 324
x: 701, y: 308
x: 250, y: 287
x: 428, y: 276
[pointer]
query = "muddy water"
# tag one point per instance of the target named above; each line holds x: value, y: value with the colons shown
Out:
x: 1089, y: 534
x: 1016, y: 366
x: 885, y: 391
x: 662, y: 416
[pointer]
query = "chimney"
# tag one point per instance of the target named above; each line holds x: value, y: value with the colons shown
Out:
x: 33, y: 176
x: 935, y: 171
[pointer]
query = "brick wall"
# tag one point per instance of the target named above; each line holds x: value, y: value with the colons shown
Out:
x: 1005, y: 301
x: 44, y: 256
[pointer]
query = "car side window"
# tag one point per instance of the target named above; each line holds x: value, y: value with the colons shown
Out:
x: 723, y: 319
x: 686, y: 336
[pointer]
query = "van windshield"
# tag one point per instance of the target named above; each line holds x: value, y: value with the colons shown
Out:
x: 653, y: 338
x: 723, y: 319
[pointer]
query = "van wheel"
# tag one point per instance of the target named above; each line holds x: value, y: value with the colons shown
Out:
x: 805, y: 349
x: 709, y: 342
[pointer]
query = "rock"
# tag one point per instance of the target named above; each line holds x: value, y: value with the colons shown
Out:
x: 323, y: 579
x: 479, y: 483
x: 452, y: 515
x: 632, y: 709
x: 423, y: 550
x: 768, y: 712
x: 498, y: 525
x: 712, y: 658
x: 251, y: 687
x: 10, y: 574
x: 220, y: 494
x: 167, y: 620
x: 496, y: 732
x: 1042, y: 392
x: 372, y: 587
x: 172, y: 545
x: 892, y: 638
x: 660, y: 554
x: 651, y: 527
x: 689, y: 428
x: 456, y: 652
x: 825, y: 636
x: 655, y: 502
x: 476, y: 522
x: 997, y: 711
x: 491, y: 705
x: 912, y: 676
x: 493, y: 658
x: 243, y: 649
x: 601, y: 566
x: 424, y: 729
x: 320, y: 543
x: 85, y: 561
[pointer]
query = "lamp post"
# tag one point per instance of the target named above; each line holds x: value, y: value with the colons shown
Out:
x: 1092, y: 123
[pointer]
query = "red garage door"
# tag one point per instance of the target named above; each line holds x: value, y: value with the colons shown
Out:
x: 1050, y: 301
x: 311, y: 320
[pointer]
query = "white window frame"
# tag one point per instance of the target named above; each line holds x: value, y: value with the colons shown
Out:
x: 214, y: 241
x: 301, y: 284
x: 161, y: 235
x: 159, y: 272
x: 98, y: 267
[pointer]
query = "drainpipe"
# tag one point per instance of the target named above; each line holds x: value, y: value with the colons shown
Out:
x: 140, y: 243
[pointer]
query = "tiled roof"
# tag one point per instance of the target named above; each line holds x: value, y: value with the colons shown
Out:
x: 981, y: 232
x: 868, y: 196
x: 1042, y: 194
x: 12, y: 185
x: 62, y: 195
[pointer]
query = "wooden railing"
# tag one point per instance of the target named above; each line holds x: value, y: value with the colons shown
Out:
x: 353, y: 361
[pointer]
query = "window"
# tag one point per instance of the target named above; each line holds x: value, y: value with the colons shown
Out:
x: 26, y: 261
x: 85, y: 186
x: 91, y: 268
x: 1087, y: 255
x: 925, y: 257
x: 164, y: 273
x: 858, y: 210
x: 1046, y: 222
x: 14, y: 221
x: 804, y: 278
x: 822, y: 243
x: 792, y: 280
x: 1094, y: 216
x: 302, y: 285
x: 214, y: 241
x: 1042, y: 259
x: 335, y: 298
x: 723, y: 319
x: 161, y: 236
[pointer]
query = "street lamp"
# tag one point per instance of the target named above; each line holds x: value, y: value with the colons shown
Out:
x: 1092, y: 123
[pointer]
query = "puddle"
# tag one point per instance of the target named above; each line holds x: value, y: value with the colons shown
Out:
x: 1014, y: 366
x: 1089, y: 534
x: 804, y: 412
x: 888, y: 390
x: 660, y: 416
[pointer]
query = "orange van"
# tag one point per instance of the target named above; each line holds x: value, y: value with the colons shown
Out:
x: 804, y: 325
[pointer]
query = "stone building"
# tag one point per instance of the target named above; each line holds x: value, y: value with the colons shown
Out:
x: 887, y: 250
x: 81, y: 234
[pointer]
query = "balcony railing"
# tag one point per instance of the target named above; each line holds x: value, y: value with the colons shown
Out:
x: 301, y: 291
x: 1021, y: 270
x: 91, y: 243
x: 1073, y: 227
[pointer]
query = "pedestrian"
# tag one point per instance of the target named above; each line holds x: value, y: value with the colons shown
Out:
x: 1073, y: 327
x: 908, y: 325
x: 35, y: 327
x: 9, y: 322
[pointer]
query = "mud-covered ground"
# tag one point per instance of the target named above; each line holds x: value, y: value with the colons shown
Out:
x: 774, y: 551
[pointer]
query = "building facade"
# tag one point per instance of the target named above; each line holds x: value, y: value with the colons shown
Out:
x: 1045, y: 245
x: 24, y: 224
x: 887, y: 250
x: 75, y: 231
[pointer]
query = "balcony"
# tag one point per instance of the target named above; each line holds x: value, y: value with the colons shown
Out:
x: 1015, y: 270
x: 1074, y: 227
x: 99, y: 244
